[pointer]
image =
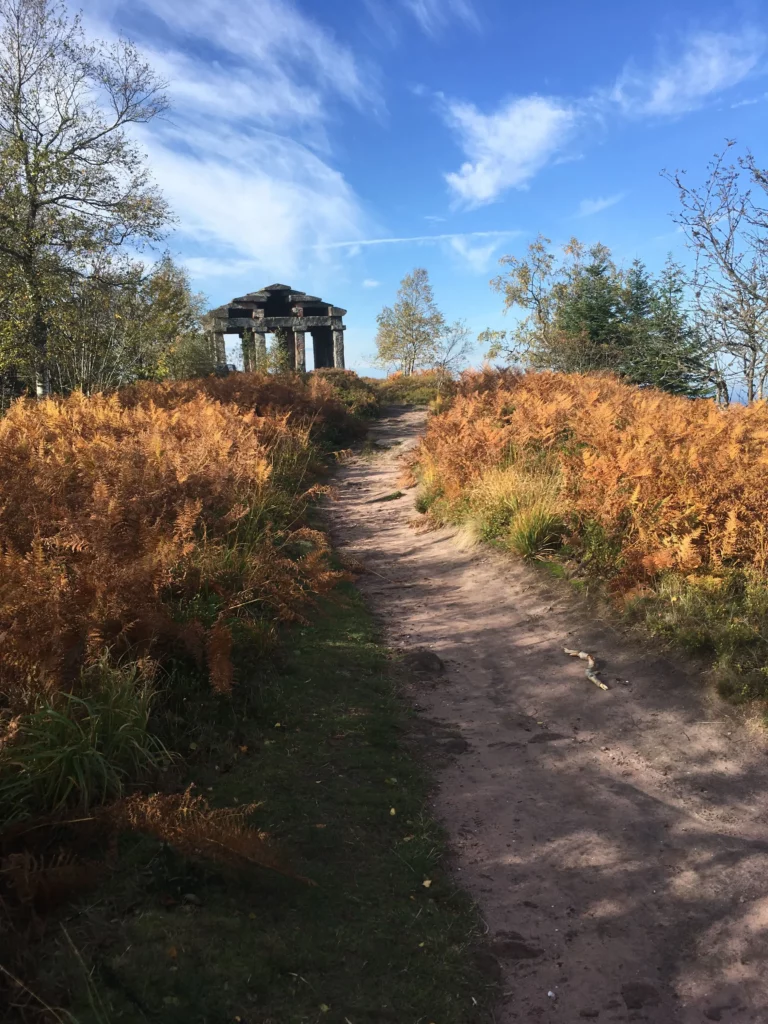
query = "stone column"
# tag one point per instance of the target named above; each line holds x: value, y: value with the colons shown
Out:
x: 249, y: 345
x: 219, y: 348
x: 260, y: 351
x: 300, y: 349
x: 338, y: 348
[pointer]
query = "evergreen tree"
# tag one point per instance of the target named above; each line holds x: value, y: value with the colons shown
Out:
x: 590, y: 312
x: 665, y: 349
x: 639, y: 294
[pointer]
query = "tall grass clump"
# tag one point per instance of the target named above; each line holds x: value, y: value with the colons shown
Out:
x: 663, y: 498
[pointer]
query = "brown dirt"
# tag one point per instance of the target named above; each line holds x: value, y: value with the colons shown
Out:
x: 617, y: 843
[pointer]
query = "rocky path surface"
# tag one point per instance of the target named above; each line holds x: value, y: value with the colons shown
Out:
x: 617, y: 843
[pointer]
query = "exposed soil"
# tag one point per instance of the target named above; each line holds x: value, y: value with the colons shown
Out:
x: 616, y: 842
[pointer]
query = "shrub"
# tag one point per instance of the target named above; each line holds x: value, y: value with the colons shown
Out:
x: 79, y: 751
x: 420, y: 388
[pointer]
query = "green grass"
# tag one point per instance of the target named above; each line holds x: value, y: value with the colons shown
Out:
x: 322, y: 744
x: 722, y: 618
x: 78, y: 751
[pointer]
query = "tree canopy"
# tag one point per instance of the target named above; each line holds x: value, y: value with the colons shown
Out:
x: 580, y: 313
x: 74, y: 187
x: 409, y: 332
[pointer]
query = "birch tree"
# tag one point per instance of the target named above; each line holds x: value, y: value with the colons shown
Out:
x: 408, y: 337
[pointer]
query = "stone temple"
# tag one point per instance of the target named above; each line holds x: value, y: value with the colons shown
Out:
x: 288, y: 314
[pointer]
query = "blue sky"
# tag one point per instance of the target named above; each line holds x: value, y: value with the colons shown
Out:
x: 336, y: 144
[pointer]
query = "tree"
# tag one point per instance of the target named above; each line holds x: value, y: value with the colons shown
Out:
x: 586, y: 314
x: 590, y: 314
x: 73, y: 185
x: 529, y: 284
x: 408, y: 337
x: 573, y: 304
x: 453, y: 347
x: 664, y: 348
x: 728, y: 234
x: 123, y: 323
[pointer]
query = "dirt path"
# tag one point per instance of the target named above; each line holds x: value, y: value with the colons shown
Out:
x: 617, y: 843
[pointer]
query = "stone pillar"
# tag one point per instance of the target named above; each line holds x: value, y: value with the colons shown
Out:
x: 300, y: 349
x: 249, y: 345
x: 338, y: 348
x: 219, y: 348
x: 260, y: 351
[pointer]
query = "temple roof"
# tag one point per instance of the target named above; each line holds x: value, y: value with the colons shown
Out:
x: 277, y: 295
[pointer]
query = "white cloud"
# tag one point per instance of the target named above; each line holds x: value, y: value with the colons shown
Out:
x: 370, y: 283
x: 244, y: 157
x: 477, y: 257
x: 710, y: 63
x: 588, y: 207
x: 434, y: 15
x: 507, y: 148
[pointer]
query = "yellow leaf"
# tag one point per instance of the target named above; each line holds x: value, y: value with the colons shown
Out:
x: 324, y: 1007
x: 427, y: 882
x: 392, y: 811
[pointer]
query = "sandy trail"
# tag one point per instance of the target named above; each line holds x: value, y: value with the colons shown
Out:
x: 617, y: 843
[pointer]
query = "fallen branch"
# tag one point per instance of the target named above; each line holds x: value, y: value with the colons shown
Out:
x: 590, y: 673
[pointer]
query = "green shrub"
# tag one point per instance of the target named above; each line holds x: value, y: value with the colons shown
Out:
x: 79, y: 751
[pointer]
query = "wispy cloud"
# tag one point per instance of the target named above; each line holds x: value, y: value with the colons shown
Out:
x: 416, y: 239
x: 370, y: 283
x: 589, y: 207
x: 475, y: 249
x: 750, y: 102
x: 477, y: 257
x: 710, y: 63
x: 507, y: 148
x: 245, y: 159
x: 434, y: 15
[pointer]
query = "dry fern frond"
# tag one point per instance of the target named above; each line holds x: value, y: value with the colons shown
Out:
x: 48, y: 881
x: 192, y: 827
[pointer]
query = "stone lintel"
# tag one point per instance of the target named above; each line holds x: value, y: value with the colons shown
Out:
x: 268, y: 324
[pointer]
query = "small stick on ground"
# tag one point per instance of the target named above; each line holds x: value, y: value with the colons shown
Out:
x: 590, y: 673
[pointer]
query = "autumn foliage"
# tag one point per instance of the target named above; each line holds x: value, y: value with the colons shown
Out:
x: 147, y: 522
x: 672, y: 484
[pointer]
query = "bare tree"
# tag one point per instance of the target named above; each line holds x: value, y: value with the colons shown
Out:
x: 73, y: 184
x: 453, y: 347
x: 728, y: 233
